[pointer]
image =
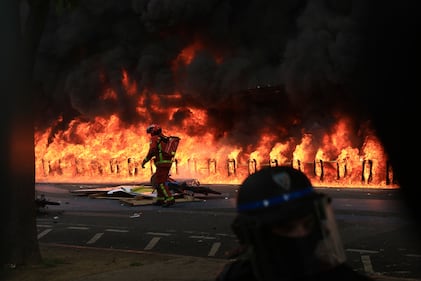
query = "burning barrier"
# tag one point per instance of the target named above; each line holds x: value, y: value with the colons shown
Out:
x: 341, y: 153
x: 321, y: 172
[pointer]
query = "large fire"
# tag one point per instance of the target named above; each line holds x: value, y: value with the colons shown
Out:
x: 105, y: 149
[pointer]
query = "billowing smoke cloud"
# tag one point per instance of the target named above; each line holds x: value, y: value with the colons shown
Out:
x: 270, y: 60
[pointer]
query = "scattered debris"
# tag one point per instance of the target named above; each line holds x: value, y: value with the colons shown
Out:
x: 135, y: 215
x: 135, y: 195
x: 41, y: 202
x: 148, y: 201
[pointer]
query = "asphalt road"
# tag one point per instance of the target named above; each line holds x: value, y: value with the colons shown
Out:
x: 377, y: 233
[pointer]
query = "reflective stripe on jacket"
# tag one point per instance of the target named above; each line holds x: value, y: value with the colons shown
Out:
x: 155, y: 150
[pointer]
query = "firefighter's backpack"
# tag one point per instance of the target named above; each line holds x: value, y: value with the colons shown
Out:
x: 170, y: 145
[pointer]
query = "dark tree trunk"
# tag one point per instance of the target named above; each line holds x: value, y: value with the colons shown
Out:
x: 19, y: 243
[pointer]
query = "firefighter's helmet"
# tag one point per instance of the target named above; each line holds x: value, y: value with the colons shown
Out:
x: 272, y: 200
x: 154, y: 129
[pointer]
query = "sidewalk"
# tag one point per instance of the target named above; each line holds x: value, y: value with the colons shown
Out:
x: 69, y: 263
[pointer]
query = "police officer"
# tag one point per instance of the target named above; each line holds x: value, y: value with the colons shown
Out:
x: 286, y: 230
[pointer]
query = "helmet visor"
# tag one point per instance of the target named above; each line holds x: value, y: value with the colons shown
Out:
x: 301, y: 246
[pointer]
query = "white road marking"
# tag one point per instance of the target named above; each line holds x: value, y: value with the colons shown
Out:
x: 78, y: 227
x: 43, y: 225
x: 95, y: 238
x: 413, y: 255
x: 367, y: 264
x: 152, y: 243
x: 45, y: 232
x: 117, y: 230
x: 202, y: 237
x: 214, y: 249
x: 225, y: 235
x: 158, y: 233
x: 362, y: 251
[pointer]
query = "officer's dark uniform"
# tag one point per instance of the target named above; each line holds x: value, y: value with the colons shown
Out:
x: 270, y: 205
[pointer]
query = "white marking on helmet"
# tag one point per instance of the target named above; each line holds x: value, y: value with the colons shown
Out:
x: 283, y: 180
x: 266, y: 203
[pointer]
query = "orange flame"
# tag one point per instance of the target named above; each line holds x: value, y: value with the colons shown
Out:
x: 105, y: 150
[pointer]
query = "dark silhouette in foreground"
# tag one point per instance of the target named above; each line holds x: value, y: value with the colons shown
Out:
x: 287, y: 231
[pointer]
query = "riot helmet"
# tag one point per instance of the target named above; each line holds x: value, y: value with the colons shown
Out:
x: 286, y: 225
x: 154, y: 129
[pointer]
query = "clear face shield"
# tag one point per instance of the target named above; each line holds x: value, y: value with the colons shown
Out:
x: 304, y: 245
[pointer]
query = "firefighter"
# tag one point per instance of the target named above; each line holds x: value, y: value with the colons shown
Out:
x: 163, y: 162
x: 286, y: 231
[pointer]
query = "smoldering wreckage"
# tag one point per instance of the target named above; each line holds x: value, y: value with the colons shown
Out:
x: 136, y: 194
